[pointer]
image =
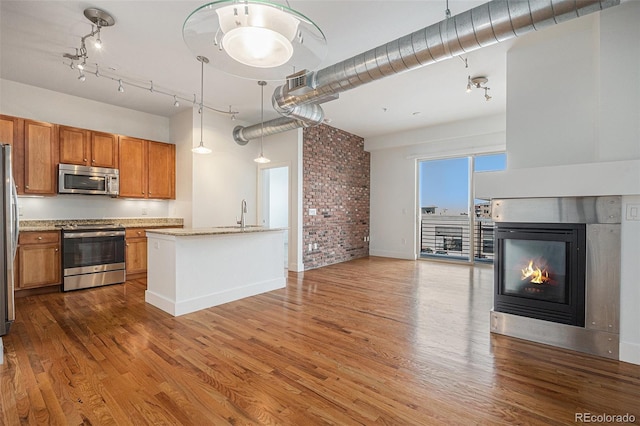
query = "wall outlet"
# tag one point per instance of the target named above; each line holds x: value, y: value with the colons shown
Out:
x: 145, y: 211
x: 309, y: 247
x: 20, y: 210
x: 315, y: 246
x: 313, y: 212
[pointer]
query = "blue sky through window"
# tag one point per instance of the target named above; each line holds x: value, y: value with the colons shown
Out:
x: 445, y: 183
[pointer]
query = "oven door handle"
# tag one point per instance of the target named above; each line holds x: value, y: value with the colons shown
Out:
x: 93, y: 234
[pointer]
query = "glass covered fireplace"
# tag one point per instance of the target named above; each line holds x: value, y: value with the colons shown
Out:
x: 557, y: 271
x: 540, y: 271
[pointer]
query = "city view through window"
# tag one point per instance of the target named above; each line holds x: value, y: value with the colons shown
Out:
x: 450, y: 227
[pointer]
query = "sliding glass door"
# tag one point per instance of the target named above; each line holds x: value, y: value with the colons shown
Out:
x: 444, y: 208
x: 453, y: 224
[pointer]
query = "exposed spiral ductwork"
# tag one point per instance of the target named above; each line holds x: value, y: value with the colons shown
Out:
x: 490, y: 23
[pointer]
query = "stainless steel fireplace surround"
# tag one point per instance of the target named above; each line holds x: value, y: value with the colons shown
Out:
x: 602, y: 216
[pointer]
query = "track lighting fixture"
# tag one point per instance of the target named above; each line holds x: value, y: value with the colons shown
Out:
x: 101, y: 19
x: 121, y: 80
x: 81, y: 77
x: 479, y: 82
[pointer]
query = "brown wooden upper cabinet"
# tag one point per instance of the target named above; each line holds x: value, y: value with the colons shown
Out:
x: 40, y: 157
x: 88, y: 148
x: 35, y: 154
x: 12, y: 133
x: 147, y: 169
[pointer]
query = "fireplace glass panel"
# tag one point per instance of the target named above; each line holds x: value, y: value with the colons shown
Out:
x: 536, y: 270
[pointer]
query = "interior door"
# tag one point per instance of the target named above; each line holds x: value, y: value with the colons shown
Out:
x: 274, y: 205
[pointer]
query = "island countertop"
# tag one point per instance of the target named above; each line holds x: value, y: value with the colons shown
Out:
x: 220, y: 230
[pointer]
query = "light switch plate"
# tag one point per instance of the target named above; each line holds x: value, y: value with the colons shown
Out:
x: 313, y: 212
x: 633, y: 211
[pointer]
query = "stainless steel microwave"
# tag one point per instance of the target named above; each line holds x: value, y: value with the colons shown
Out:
x: 74, y: 179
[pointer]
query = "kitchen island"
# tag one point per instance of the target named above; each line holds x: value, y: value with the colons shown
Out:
x: 190, y: 269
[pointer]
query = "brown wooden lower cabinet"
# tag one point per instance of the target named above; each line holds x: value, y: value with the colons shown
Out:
x: 38, y: 262
x: 136, y: 251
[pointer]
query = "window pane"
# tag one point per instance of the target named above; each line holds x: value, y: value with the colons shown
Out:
x: 444, y: 208
x: 490, y: 163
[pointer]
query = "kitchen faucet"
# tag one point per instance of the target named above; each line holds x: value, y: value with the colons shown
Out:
x: 243, y: 211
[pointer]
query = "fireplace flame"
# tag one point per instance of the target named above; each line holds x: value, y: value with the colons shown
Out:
x: 535, y: 274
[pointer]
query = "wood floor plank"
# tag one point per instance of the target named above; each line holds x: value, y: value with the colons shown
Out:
x: 373, y: 341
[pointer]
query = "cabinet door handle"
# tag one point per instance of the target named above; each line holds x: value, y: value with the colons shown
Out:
x: 139, y: 232
x: 27, y: 186
x: 85, y: 160
x: 57, y: 250
x: 142, y: 191
x: 127, y: 244
x: 93, y: 161
x: 39, y: 238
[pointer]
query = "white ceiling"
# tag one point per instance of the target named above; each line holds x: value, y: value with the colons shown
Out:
x: 146, y: 44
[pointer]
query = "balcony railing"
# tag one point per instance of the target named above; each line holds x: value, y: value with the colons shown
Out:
x: 449, y: 237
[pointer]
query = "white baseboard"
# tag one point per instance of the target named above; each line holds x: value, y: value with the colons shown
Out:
x: 392, y: 254
x: 182, y: 307
x: 630, y: 352
x: 296, y: 267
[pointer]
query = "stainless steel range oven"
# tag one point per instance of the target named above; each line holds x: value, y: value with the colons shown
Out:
x: 92, y: 256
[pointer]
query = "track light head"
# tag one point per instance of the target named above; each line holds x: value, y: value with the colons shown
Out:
x: 120, y: 87
x: 98, y: 43
x: 175, y: 101
x: 486, y: 95
x: 82, y: 77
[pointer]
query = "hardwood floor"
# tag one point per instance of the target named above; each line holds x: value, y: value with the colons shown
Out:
x: 372, y: 341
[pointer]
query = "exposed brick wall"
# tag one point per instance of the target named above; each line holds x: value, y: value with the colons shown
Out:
x: 336, y: 183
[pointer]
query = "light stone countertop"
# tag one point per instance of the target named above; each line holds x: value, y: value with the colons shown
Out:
x: 221, y: 230
x: 32, y: 225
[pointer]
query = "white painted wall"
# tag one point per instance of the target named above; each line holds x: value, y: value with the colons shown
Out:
x: 32, y: 102
x: 394, y: 159
x: 182, y: 134
x: 45, y: 105
x: 222, y: 179
x: 285, y: 149
x: 573, y: 128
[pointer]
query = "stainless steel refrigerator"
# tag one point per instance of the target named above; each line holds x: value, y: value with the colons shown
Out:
x: 9, y: 239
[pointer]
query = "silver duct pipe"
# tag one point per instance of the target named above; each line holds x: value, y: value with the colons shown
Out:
x: 242, y: 135
x: 482, y: 26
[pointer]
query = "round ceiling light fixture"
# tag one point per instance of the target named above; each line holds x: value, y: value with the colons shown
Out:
x: 255, y: 39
